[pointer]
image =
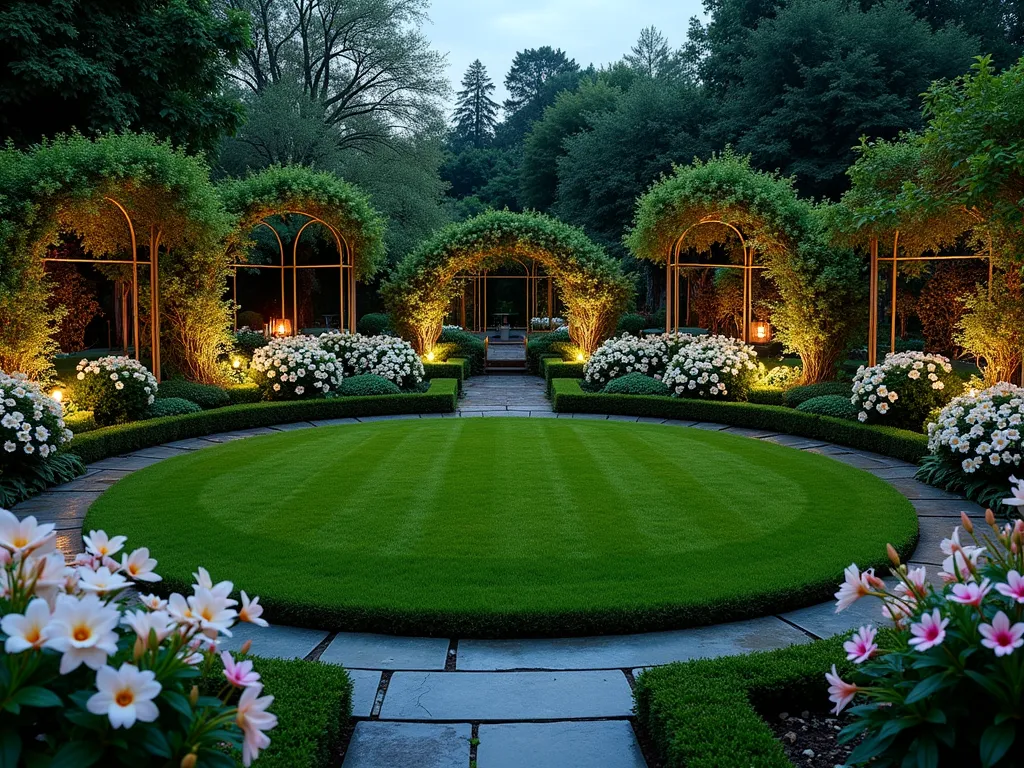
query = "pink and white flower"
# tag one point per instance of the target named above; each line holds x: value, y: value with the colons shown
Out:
x: 239, y: 673
x: 1000, y: 636
x: 83, y: 630
x: 24, y: 536
x: 101, y: 581
x: 125, y: 695
x: 840, y: 692
x: 139, y: 565
x: 861, y: 646
x: 929, y: 632
x: 1017, y: 491
x: 251, y: 611
x: 1013, y: 588
x: 26, y: 631
x: 145, y: 622
x: 254, y: 720
x: 971, y: 593
x: 101, y: 545
x: 213, y: 611
x: 855, y: 586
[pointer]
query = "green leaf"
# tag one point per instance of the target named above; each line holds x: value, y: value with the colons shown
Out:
x: 996, y: 742
x: 34, y: 696
x: 10, y: 749
x: 178, y: 702
x: 155, y: 742
x: 926, y: 688
x: 871, y: 747
x: 77, y: 754
x: 927, y: 752
x: 209, y: 758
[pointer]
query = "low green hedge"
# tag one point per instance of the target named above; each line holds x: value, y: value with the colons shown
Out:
x: 457, y: 368
x: 205, y: 396
x: 244, y: 393
x: 541, y: 345
x: 569, y: 397
x: 766, y: 396
x: 704, y: 714
x: 797, y: 395
x: 313, y: 704
x: 553, y: 368
x: 837, y: 406
x: 114, y: 441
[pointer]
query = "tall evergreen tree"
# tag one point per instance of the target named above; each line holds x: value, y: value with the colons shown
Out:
x: 531, y: 69
x: 476, y: 113
x: 651, y: 57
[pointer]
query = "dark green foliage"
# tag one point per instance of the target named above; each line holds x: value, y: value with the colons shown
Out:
x: 533, y: 82
x: 463, y: 344
x: 250, y: 319
x: 159, y: 67
x: 373, y: 324
x: 704, y: 714
x: 766, y: 396
x: 367, y: 384
x: 243, y: 393
x: 569, y: 397
x: 204, y: 395
x: 793, y: 397
x: 81, y: 421
x: 453, y: 368
x: 476, y: 113
x: 837, y: 406
x: 554, y: 369
x: 247, y: 342
x: 114, y: 441
x: 25, y: 480
x: 632, y: 323
x: 635, y: 384
x: 171, y: 406
x: 984, y: 490
x: 548, y: 344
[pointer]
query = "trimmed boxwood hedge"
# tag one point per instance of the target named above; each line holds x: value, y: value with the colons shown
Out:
x: 797, y: 395
x: 837, y: 406
x: 766, y: 395
x: 553, y: 368
x: 114, y: 441
x: 569, y: 397
x: 206, y: 396
x: 457, y: 368
x: 704, y: 714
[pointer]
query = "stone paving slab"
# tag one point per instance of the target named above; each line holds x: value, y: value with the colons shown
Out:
x: 823, y: 621
x: 932, y: 531
x: 376, y: 744
x: 621, y: 651
x: 678, y: 423
x: 157, y: 452
x: 794, y: 441
x: 191, y: 444
x: 241, y: 434
x: 365, y: 683
x: 650, y: 420
x: 65, y: 510
x: 97, y: 481
x: 125, y: 463
x: 591, y: 416
x: 757, y: 434
x: 276, y: 641
x: 482, y: 696
x: 951, y: 509
x: 895, y: 473
x: 332, y: 422
x: 709, y: 425
x: 356, y: 650
x: 607, y: 744
x: 914, y: 490
x: 294, y: 426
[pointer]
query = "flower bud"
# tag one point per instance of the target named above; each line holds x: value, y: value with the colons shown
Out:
x: 990, y: 517
x: 966, y: 522
x: 140, y: 648
x: 894, y: 556
x: 189, y: 760
x: 193, y: 695
x: 245, y: 647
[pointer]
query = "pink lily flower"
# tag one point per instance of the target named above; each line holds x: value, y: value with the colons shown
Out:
x: 929, y: 632
x: 861, y: 646
x: 1013, y: 588
x: 1000, y: 636
x: 840, y: 692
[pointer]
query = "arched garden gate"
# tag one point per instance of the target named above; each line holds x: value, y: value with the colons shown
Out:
x: 424, y: 285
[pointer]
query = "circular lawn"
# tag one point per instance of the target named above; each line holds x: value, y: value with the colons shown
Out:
x: 509, y: 527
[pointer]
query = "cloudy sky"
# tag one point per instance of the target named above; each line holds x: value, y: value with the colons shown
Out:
x: 590, y: 31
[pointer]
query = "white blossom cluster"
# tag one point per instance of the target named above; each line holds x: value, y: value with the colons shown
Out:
x: 117, y: 388
x: 388, y: 356
x: 711, y: 366
x: 295, y: 367
x: 627, y: 354
x: 878, y: 388
x: 982, y: 430
x: 544, y: 323
x: 31, y: 423
x: 451, y: 328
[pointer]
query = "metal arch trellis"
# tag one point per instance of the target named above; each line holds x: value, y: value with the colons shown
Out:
x: 675, y: 267
x: 895, y: 260
x: 155, y: 235
x: 345, y: 267
x: 474, y: 293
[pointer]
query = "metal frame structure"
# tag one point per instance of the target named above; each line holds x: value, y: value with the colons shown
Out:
x: 895, y: 260
x: 345, y: 267
x: 675, y: 266
x: 474, y: 292
x: 155, y: 234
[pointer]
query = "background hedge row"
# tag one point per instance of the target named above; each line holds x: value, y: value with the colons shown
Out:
x: 569, y: 397
x: 114, y: 441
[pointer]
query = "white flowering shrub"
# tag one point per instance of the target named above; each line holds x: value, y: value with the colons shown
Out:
x: 389, y: 357
x: 715, y: 367
x: 628, y: 354
x: 781, y: 377
x: 904, y: 388
x: 31, y: 423
x: 295, y: 367
x: 545, y: 323
x: 980, y: 432
x: 91, y: 676
x: 117, y: 389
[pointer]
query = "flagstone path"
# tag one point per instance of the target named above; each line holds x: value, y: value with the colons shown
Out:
x: 544, y: 703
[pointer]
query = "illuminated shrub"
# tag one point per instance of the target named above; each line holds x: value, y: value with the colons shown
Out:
x: 116, y: 389
x: 904, y: 388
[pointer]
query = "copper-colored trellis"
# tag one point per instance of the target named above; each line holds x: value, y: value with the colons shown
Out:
x: 675, y: 267
x: 345, y: 267
x: 155, y: 234
x: 474, y: 295
x: 895, y: 260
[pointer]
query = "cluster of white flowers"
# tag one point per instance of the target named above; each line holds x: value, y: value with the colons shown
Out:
x: 31, y: 423
x: 544, y: 323
x: 295, y: 367
x: 388, y: 356
x: 122, y: 371
x: 711, y: 366
x: 628, y: 354
x: 80, y: 615
x: 451, y: 328
x: 116, y: 388
x: 982, y: 430
x: 878, y: 388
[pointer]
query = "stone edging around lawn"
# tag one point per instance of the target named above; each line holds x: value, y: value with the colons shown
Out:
x: 417, y: 693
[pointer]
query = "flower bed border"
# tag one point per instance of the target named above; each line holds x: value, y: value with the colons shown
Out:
x: 568, y: 397
x: 704, y: 714
x: 114, y: 441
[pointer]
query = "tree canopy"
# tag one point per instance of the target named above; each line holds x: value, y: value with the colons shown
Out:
x: 476, y: 113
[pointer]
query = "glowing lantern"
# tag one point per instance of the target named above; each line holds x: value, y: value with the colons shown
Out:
x: 430, y: 357
x: 761, y: 333
x: 282, y: 327
x: 236, y: 363
x: 58, y: 395
x: 580, y: 357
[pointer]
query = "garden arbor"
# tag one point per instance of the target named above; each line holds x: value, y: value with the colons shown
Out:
x: 119, y: 193
x: 270, y: 198
x: 591, y: 284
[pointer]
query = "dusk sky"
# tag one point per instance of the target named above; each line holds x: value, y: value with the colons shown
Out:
x: 590, y: 31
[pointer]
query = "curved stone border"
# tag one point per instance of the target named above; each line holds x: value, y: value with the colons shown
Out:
x: 418, y: 698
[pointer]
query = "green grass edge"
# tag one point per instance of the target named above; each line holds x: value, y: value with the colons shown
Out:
x: 568, y: 397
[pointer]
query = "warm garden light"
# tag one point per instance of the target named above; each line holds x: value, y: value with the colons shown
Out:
x: 761, y: 332
x: 58, y: 395
x: 282, y: 327
x: 430, y: 357
x: 236, y: 363
x: 580, y: 357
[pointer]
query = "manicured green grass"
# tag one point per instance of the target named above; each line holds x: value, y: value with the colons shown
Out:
x: 509, y: 526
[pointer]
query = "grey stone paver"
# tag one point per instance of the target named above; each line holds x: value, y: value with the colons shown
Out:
x: 93, y: 481
x: 502, y: 696
x: 794, y: 441
x: 358, y: 650
x: 157, y: 452
x: 952, y: 509
x: 757, y: 434
x: 620, y: 651
x: 65, y: 510
x: 365, y: 683
x: 895, y: 473
x: 125, y: 463
x: 608, y: 744
x: 376, y: 744
x: 294, y: 426
x: 276, y: 641
x: 822, y: 620
x: 913, y: 489
x: 190, y: 444
x: 333, y: 422
x: 709, y: 425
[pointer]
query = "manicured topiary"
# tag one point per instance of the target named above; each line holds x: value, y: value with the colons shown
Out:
x: 456, y: 343
x: 367, y: 384
x: 204, y: 395
x: 635, y: 384
x: 797, y: 395
x: 830, y: 405
x: 373, y: 324
x: 244, y: 393
x: 171, y: 406
x: 632, y: 323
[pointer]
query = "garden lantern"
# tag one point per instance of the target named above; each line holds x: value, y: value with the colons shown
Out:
x: 58, y: 395
x: 760, y: 332
x: 236, y: 363
x: 282, y: 327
